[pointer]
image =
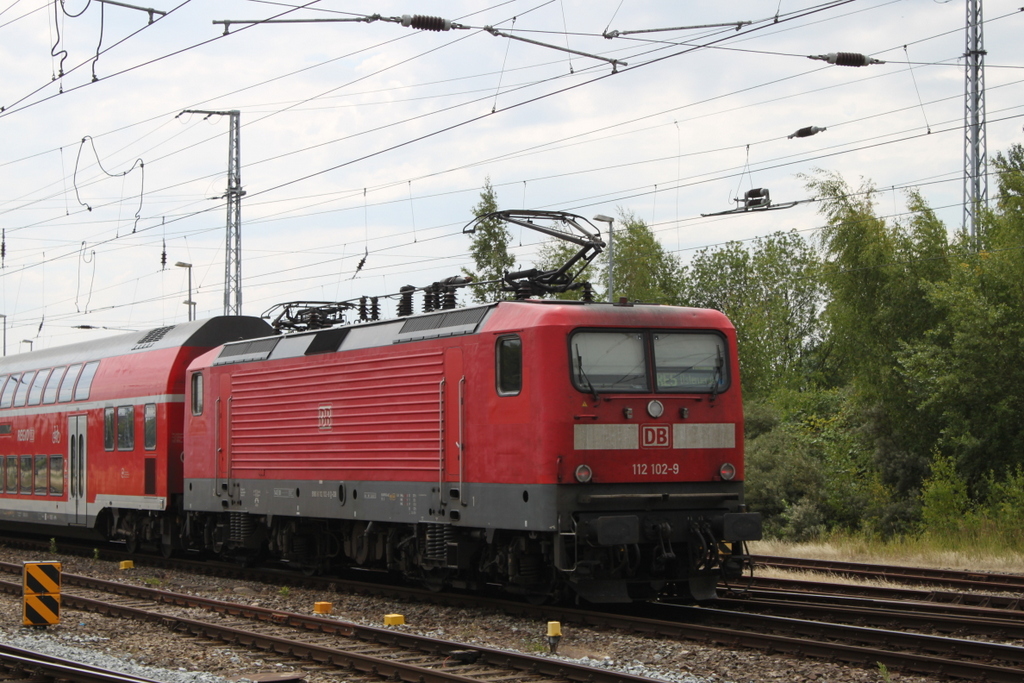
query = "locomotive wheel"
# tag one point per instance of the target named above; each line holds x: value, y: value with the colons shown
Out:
x: 131, y: 542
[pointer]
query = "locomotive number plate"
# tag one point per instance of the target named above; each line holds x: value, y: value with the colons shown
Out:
x: 644, y: 469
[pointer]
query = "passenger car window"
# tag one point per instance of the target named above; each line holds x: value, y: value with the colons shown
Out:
x: 22, y: 394
x: 42, y: 478
x: 509, y: 360
x: 149, y: 427
x: 67, y: 385
x: 26, y: 474
x: 109, y: 428
x: 35, y: 394
x: 52, y: 384
x: 12, y: 474
x: 85, y: 381
x: 125, y: 428
x: 56, y: 475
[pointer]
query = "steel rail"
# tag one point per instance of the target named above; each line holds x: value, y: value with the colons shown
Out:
x: 41, y: 668
x: 527, y: 665
x: 987, y: 580
x: 827, y: 589
x: 870, y: 612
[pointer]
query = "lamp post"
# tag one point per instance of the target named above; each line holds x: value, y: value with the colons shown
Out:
x: 29, y: 342
x: 4, y: 316
x: 191, y: 304
x: 611, y: 259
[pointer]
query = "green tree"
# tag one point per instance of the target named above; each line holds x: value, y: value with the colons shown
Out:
x: 489, y: 248
x: 772, y: 294
x: 966, y: 371
x: 642, y: 269
x: 878, y: 277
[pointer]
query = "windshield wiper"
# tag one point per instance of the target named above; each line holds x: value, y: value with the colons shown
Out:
x: 583, y: 375
x: 716, y: 378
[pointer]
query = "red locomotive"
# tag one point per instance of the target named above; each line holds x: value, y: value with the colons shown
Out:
x: 541, y: 446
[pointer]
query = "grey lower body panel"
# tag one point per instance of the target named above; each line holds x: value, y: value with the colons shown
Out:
x: 524, y: 507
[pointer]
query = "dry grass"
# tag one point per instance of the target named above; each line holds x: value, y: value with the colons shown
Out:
x: 906, y: 553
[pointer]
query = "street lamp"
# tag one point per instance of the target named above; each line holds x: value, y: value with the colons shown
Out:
x: 188, y: 302
x: 4, y: 316
x: 611, y: 260
x: 29, y: 342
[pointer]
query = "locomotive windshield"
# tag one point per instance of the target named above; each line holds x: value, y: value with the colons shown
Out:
x: 609, y: 361
x: 687, y: 362
x: 617, y: 361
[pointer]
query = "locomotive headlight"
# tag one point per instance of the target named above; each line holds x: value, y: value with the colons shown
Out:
x: 655, y: 408
x: 727, y: 471
x: 584, y: 474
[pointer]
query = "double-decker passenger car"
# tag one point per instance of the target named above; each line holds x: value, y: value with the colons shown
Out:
x: 536, y: 445
x: 91, y: 433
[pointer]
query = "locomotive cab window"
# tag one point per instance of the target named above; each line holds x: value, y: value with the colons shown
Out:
x: 509, y: 358
x: 690, y: 362
x: 610, y: 361
x: 197, y: 393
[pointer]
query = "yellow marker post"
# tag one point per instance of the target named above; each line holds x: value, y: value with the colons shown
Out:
x: 554, y: 635
x: 41, y: 588
x: 394, y: 619
x: 322, y: 607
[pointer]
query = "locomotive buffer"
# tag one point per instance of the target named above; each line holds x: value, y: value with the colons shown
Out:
x: 41, y: 581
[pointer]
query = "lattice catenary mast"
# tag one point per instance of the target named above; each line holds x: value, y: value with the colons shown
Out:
x: 233, y: 195
x: 975, y: 155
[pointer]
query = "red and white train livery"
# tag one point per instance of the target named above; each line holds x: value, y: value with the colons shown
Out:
x: 541, y: 446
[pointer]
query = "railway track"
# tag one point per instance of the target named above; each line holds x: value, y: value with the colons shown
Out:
x: 798, y: 621
x: 320, y: 644
x: 970, y: 581
x: 23, y: 666
x: 327, y: 643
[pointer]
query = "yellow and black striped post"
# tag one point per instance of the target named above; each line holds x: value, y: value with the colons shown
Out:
x: 42, y: 593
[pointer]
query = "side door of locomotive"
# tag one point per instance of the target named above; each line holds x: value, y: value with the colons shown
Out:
x: 77, y: 462
x: 453, y: 409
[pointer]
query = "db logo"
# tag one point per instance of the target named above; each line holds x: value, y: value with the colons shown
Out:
x: 323, y: 416
x: 655, y: 436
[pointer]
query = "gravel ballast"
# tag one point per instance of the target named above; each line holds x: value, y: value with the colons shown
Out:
x: 152, y: 651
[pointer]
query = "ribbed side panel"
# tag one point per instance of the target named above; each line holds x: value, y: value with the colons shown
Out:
x: 339, y: 417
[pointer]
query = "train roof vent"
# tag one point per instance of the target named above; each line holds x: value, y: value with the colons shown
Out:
x: 246, y: 351
x: 447, y: 323
x: 152, y: 337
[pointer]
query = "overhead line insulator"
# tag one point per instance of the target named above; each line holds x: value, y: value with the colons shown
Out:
x: 425, y: 23
x: 846, y: 59
x: 806, y: 132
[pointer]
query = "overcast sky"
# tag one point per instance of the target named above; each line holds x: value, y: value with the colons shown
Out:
x: 374, y: 138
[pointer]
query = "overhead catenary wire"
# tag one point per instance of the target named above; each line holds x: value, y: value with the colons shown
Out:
x: 532, y: 192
